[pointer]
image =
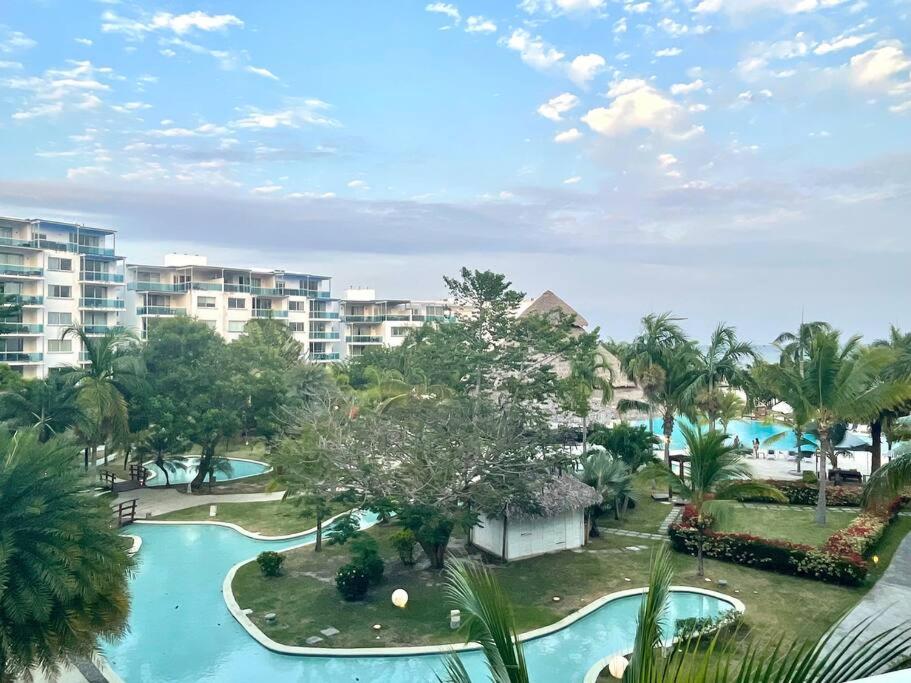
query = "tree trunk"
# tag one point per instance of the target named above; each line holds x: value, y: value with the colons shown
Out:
x: 318, y: 546
x: 584, y: 435
x: 205, y: 462
x: 825, y: 443
x: 668, y: 431
x: 799, y: 435
x: 503, y: 546
x: 700, y: 571
x: 85, y: 455
x: 876, y: 434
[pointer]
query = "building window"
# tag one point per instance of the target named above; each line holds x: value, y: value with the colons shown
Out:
x: 60, y: 291
x: 59, y: 345
x: 297, y: 327
x: 297, y: 305
x: 236, y: 325
x: 58, y: 318
x: 11, y: 259
x: 400, y: 331
x: 63, y: 264
x: 205, y: 302
x: 236, y: 303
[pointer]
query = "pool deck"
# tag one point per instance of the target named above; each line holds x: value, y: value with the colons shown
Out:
x: 154, y: 501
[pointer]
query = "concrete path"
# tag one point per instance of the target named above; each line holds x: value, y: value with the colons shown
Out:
x: 633, y: 534
x: 887, y: 601
x: 154, y: 501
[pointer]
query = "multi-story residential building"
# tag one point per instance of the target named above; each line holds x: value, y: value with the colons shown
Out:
x: 60, y: 274
x: 368, y: 321
x: 226, y: 298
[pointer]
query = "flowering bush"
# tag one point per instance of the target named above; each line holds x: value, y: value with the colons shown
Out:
x: 805, y: 493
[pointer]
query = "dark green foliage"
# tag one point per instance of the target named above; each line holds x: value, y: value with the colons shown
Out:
x: 344, y: 529
x: 270, y: 562
x: 63, y: 567
x: 632, y: 444
x: 365, y: 554
x: 806, y: 493
x: 352, y: 582
x: 404, y: 541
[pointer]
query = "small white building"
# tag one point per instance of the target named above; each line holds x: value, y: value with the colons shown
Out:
x: 559, y: 526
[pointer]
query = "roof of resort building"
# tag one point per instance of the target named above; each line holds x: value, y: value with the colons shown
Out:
x: 232, y: 269
x: 560, y: 494
x: 549, y: 303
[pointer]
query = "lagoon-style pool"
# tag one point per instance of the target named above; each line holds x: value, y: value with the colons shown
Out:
x: 181, y: 630
x: 240, y: 468
x: 747, y: 430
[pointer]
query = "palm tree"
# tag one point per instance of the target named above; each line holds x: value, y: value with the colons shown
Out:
x: 890, y: 480
x: 113, y: 368
x: 785, y: 381
x: 589, y: 371
x: 717, y: 472
x: 722, y: 362
x: 610, y: 477
x: 794, y: 346
x: 899, y: 369
x: 165, y: 447
x: 721, y: 407
x: 64, y: 568
x: 844, y: 382
x: 832, y: 659
x: 49, y: 406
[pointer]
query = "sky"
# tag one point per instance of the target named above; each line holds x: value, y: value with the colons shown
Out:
x: 746, y: 161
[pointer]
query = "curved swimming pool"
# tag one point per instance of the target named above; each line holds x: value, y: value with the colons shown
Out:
x: 181, y: 630
x: 240, y: 468
x: 747, y: 430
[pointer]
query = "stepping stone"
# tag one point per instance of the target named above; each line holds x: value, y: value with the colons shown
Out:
x: 329, y: 632
x: 313, y: 640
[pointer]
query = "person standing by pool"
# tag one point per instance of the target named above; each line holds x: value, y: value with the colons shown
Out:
x: 736, y: 441
x: 756, y: 448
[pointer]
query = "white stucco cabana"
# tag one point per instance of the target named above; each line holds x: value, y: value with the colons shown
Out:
x: 559, y: 526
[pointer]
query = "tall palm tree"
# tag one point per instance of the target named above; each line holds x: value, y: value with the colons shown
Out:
x: 785, y: 380
x: 717, y: 472
x: 899, y: 369
x: 47, y: 405
x: 589, y: 372
x: 844, y: 383
x: 114, y: 368
x: 722, y: 362
x: 890, y: 480
x: 63, y: 567
x: 794, y: 346
x: 165, y: 447
x: 610, y: 477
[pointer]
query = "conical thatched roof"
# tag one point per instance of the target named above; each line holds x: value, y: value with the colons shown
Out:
x: 548, y: 303
x: 559, y: 494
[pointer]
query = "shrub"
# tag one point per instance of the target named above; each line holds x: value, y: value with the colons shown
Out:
x: 270, y: 563
x: 404, y: 542
x: 352, y: 582
x: 692, y: 627
x: 344, y: 529
x: 809, y: 478
x: 365, y: 555
x: 805, y: 493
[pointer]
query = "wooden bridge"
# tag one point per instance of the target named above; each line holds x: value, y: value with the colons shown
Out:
x: 125, y: 512
x: 139, y: 475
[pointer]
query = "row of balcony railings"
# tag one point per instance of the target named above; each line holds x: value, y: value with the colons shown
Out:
x: 233, y: 288
x: 54, y: 245
x: 394, y: 318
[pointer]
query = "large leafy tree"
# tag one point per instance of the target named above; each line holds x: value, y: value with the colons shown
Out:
x: 195, y: 392
x: 50, y: 406
x: 63, y: 567
x: 113, y: 369
x: 717, y: 472
x: 632, y: 444
x: 589, y: 373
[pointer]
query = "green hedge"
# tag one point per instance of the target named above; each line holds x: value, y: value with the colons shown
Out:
x: 805, y: 493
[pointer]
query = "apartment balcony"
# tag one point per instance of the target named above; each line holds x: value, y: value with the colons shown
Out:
x: 160, y: 310
x: 158, y: 286
x: 324, y: 315
x: 20, y: 357
x: 21, y: 329
x: 20, y: 271
x: 269, y: 313
x: 115, y: 304
x: 431, y: 318
x: 364, y: 339
x: 94, y: 276
x: 98, y: 330
x: 15, y: 242
x: 324, y: 335
x: 73, y: 248
x: 268, y: 291
x: 235, y: 288
x: 364, y: 318
x: 323, y: 357
x: 26, y: 299
x: 207, y: 286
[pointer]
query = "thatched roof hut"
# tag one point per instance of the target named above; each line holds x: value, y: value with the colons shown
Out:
x: 557, y: 495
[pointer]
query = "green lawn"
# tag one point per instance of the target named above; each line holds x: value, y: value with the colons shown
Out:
x: 306, y: 601
x: 797, y: 526
x: 274, y: 518
x: 647, y: 515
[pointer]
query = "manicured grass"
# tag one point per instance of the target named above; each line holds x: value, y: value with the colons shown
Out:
x: 306, y: 601
x: 647, y: 515
x: 796, y: 526
x: 274, y: 518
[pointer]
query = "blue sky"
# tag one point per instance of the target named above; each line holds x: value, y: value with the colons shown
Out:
x: 742, y: 160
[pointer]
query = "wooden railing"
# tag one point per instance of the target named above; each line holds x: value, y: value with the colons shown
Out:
x: 139, y: 474
x: 107, y: 478
x: 125, y: 512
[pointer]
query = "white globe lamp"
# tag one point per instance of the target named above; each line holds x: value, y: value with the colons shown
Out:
x: 617, y: 666
x: 400, y: 597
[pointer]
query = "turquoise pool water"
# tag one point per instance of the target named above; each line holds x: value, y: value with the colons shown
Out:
x: 747, y: 430
x: 239, y: 470
x: 181, y: 630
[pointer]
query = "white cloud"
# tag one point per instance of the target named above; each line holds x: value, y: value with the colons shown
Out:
x: 446, y: 9
x: 901, y: 108
x: 358, y: 184
x: 687, y: 88
x: 842, y: 42
x: 637, y: 8
x: 168, y: 52
x: 259, y: 71
x: 201, y: 130
x: 557, y: 8
x: 637, y: 105
x: 666, y: 160
x: 584, y: 68
x: 181, y: 24
x: 533, y: 50
x: 311, y: 195
x: 10, y: 65
x: 130, y: 107
x: 573, y: 180
x: 84, y: 172
x: 566, y: 136
x: 620, y: 25
x: 696, y: 108
x: 672, y: 28
x: 479, y: 24
x: 12, y: 41
x: 266, y: 189
x: 749, y: 6
x: 556, y: 106
x: 303, y: 113
x: 84, y: 41
x: 58, y: 90
x: 877, y: 67
x: 669, y: 52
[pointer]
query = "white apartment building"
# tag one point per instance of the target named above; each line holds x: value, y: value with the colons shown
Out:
x: 368, y: 321
x: 60, y: 274
x: 226, y: 298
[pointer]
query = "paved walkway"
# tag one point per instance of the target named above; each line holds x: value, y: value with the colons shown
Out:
x: 633, y: 534
x: 153, y: 501
x: 888, y: 600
